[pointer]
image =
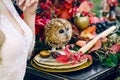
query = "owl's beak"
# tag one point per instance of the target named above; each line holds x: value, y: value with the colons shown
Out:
x: 67, y: 36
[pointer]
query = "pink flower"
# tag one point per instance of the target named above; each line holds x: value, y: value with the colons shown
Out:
x: 114, y: 2
x: 94, y: 19
x: 115, y: 48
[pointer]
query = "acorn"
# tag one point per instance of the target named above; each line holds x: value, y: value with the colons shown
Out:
x: 81, y: 22
x: 45, y: 53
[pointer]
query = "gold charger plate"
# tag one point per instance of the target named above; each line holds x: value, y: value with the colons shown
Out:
x: 61, y: 67
x: 48, y: 61
x: 64, y: 66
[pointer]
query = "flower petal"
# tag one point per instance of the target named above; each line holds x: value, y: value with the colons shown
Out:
x: 62, y: 59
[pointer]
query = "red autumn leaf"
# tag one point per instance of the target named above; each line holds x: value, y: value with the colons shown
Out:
x: 96, y: 46
x: 62, y: 59
x: 65, y: 14
x: 67, y: 5
x: 89, y: 32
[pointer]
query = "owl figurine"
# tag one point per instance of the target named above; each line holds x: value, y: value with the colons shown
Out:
x: 58, y: 33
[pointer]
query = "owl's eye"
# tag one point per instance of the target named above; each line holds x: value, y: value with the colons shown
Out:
x: 67, y: 29
x: 61, y: 31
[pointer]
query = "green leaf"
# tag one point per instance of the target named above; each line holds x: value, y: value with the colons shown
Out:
x: 114, y: 58
x: 87, y: 52
x: 118, y: 55
x: 108, y: 63
x: 76, y: 48
x: 111, y: 61
x: 102, y: 57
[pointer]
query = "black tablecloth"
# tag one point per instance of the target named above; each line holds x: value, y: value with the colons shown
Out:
x: 94, y: 72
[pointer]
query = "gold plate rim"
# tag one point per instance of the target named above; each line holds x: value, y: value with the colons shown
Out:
x: 85, y: 65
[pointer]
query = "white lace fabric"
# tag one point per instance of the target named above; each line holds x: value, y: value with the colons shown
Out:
x: 16, y: 47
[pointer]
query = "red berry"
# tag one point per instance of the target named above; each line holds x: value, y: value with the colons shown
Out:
x: 42, y: 5
x: 49, y: 3
x: 46, y: 7
x: 48, y: 15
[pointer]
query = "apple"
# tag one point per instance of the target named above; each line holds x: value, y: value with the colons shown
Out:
x: 81, y: 22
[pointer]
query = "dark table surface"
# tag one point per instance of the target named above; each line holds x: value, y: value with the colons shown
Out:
x: 94, y: 72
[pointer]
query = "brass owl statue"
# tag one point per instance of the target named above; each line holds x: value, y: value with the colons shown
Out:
x: 58, y: 33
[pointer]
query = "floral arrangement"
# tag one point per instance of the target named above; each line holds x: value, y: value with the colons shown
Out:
x: 49, y: 9
x: 86, y: 25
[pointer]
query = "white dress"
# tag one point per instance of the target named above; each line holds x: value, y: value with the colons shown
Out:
x: 16, y: 47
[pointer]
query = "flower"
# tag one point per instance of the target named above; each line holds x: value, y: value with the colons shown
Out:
x: 71, y: 56
x: 114, y: 2
x: 115, y: 48
x: 40, y: 24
